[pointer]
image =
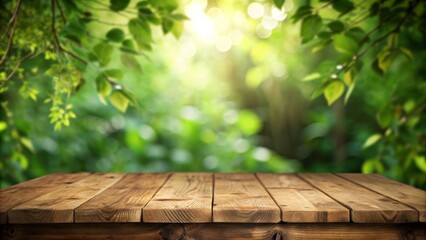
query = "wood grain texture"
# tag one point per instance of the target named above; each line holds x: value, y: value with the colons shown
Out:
x: 26, y: 191
x: 241, y: 198
x: 300, y: 202
x: 58, y: 206
x: 213, y: 231
x: 123, y: 201
x: 415, y: 198
x: 185, y: 197
x: 366, y: 206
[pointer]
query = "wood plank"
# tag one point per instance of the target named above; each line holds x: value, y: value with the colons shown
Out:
x: 241, y: 198
x: 366, y: 206
x: 409, y: 195
x: 185, y: 197
x: 58, y: 206
x: 214, y: 231
x: 123, y: 201
x: 15, y: 195
x: 50, y: 180
x: 300, y: 202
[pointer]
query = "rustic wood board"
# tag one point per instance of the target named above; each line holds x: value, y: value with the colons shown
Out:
x: 58, y: 206
x: 366, y: 206
x: 26, y: 191
x: 300, y: 202
x: 213, y: 231
x: 123, y: 201
x: 403, y: 193
x: 241, y: 198
x: 185, y: 197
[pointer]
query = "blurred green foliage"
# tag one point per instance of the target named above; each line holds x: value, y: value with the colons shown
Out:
x: 234, y: 87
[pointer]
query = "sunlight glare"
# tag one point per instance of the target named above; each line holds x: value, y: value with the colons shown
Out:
x: 223, y: 44
x: 255, y: 10
x: 277, y: 14
x: 200, y: 23
x: 262, y: 32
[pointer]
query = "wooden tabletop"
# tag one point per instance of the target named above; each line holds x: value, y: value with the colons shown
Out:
x: 211, y: 197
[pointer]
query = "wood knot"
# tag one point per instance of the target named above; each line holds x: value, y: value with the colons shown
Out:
x: 174, y: 231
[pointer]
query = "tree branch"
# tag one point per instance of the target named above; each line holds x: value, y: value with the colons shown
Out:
x: 64, y: 19
x: 14, y: 19
x: 380, y: 39
x: 56, y: 38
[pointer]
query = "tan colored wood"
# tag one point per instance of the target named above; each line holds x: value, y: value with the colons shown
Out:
x: 415, y: 198
x: 185, y: 197
x: 58, y: 206
x: 366, y: 206
x: 241, y: 198
x: 26, y: 191
x: 214, y: 231
x: 300, y: 202
x: 123, y: 201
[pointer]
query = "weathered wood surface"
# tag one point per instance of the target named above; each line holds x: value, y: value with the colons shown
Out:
x: 123, y: 201
x: 366, y: 206
x: 211, y: 198
x: 300, y: 201
x: 58, y: 206
x: 23, y: 192
x: 241, y: 198
x: 185, y: 197
x: 213, y: 231
x: 403, y: 193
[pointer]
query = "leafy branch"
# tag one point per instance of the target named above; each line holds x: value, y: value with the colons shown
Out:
x: 14, y: 21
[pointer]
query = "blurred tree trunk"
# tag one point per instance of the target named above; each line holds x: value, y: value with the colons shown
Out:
x: 339, y: 131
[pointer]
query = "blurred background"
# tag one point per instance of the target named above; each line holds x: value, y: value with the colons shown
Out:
x: 228, y: 96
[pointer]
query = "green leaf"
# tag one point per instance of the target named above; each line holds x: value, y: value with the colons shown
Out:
x: 128, y: 46
x: 343, y: 6
x: 311, y: 77
x: 141, y: 32
x: 372, y: 165
x: 279, y: 3
x: 115, y: 74
x: 118, y: 5
x: 385, y: 58
x: 376, y: 68
x: 167, y: 25
x: 349, y: 92
x: 102, y: 87
x: 129, y: 97
x: 357, y: 34
x: 103, y: 52
x: 131, y: 62
x: 310, y: 27
x: 372, y: 140
x: 333, y: 91
x: 406, y: 53
x: 319, y: 90
x: 3, y: 126
x: 179, y: 17
x: 119, y: 100
x: 336, y: 26
x: 349, y: 76
x: 369, y: 166
x: 345, y: 44
x: 302, y: 12
x: 177, y: 29
x: 115, y: 35
x: 384, y: 116
x: 420, y: 162
x: 27, y: 143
